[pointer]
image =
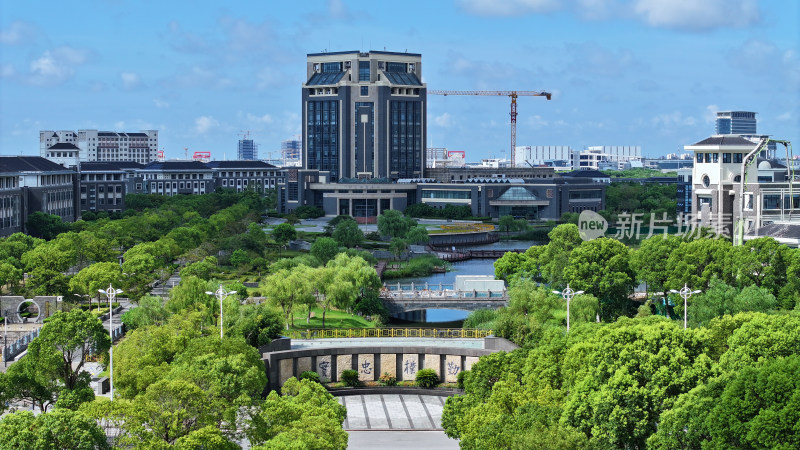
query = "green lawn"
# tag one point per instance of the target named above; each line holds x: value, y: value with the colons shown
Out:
x: 333, y: 319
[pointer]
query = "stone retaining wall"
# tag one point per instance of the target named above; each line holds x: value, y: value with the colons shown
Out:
x: 370, y: 362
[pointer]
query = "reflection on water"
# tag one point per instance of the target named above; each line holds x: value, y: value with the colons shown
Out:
x: 452, y: 317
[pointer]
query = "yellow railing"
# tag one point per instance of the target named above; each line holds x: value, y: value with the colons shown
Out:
x: 337, y: 333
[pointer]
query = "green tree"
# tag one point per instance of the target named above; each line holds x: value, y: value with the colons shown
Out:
x: 203, y: 270
x: 417, y: 235
x: 283, y: 233
x: 257, y: 324
x: 45, y: 226
x: 347, y: 233
x: 65, y: 343
x: 305, y: 416
x: 150, y: 311
x: 761, y: 262
x: 9, y: 274
x: 55, y: 256
x: 60, y: 429
x: 90, y: 280
x: 393, y: 223
x: 143, y: 357
x: 48, y: 282
x: 650, y: 260
x: 694, y: 263
x: 398, y: 246
x: 138, y: 270
x: 756, y: 407
x: 239, y: 258
x: 169, y: 410
x: 556, y: 253
x: 630, y: 380
x: 600, y: 267
x: 288, y: 288
x: 34, y: 381
x: 506, y: 223
x: 230, y: 373
x: 325, y: 249
x: 205, y: 438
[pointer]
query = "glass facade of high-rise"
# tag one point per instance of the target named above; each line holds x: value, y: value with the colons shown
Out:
x: 736, y: 122
x: 247, y: 150
x: 322, y: 136
x: 364, y: 116
x: 405, y: 147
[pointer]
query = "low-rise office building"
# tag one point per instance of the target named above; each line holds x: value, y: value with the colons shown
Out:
x: 31, y: 183
x: 245, y: 174
x: 103, y: 185
x: 493, y: 193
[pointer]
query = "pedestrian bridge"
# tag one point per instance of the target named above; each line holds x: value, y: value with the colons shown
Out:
x: 399, y: 298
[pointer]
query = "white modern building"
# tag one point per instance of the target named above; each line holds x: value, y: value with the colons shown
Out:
x: 603, y: 157
x: 539, y: 155
x: 732, y: 183
x: 67, y: 147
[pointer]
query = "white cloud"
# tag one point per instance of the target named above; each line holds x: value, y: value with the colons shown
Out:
x: 204, y: 124
x: 161, y: 104
x: 698, y: 15
x: 199, y: 77
x: 268, y: 77
x: 120, y: 125
x: 18, y: 33
x: 785, y: 116
x: 710, y: 115
x: 689, y: 15
x: 56, y: 66
x: 673, y: 119
x: 508, y: 7
x: 445, y: 120
x: 7, y: 71
x: 591, y: 58
x: 265, y: 119
x: 130, y: 80
x: 536, y: 121
x: 763, y: 59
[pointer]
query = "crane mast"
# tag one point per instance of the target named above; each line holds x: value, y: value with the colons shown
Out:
x: 513, y: 95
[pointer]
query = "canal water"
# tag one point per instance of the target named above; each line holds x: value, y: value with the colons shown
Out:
x: 451, y: 317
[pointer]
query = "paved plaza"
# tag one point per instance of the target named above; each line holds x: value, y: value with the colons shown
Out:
x: 389, y: 421
x: 393, y: 412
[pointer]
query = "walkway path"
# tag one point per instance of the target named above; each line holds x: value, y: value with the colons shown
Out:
x: 395, y: 421
x: 393, y: 412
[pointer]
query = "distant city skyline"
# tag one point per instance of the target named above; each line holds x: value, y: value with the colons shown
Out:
x: 643, y: 73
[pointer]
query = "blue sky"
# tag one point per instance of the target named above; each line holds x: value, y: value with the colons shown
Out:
x: 622, y: 72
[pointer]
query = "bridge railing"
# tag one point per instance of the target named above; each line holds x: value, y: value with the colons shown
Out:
x: 448, y: 333
x: 441, y: 295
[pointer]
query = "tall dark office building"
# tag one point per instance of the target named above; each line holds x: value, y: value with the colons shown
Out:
x: 736, y: 122
x: 364, y: 115
x: 247, y: 150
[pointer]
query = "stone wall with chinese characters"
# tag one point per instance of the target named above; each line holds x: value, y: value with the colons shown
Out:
x: 370, y: 362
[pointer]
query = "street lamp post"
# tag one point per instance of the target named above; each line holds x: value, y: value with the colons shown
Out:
x: 111, y: 293
x: 685, y: 293
x: 568, y: 294
x: 221, y: 294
